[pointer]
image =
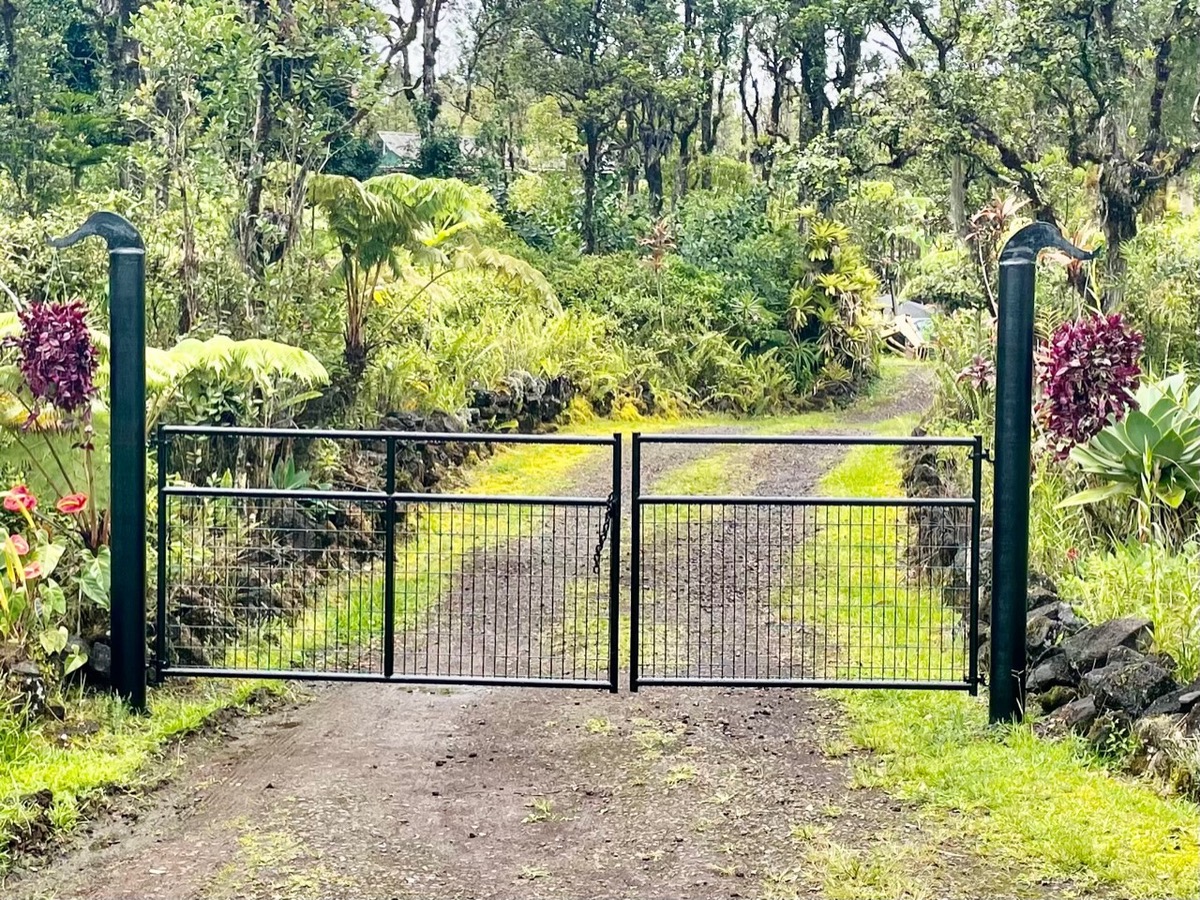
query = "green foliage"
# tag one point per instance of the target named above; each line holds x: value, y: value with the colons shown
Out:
x: 943, y: 277
x: 1147, y: 579
x: 1151, y: 457
x: 1162, y: 296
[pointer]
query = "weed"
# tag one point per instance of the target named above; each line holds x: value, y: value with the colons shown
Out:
x: 877, y: 873
x: 681, y: 775
x: 836, y: 748
x: 598, y: 726
x: 803, y: 832
x: 543, y: 811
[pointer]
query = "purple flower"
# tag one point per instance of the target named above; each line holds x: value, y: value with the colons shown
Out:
x: 56, y: 356
x: 1088, y: 371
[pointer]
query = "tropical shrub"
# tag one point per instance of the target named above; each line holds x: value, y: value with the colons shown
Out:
x: 1151, y: 457
x: 943, y: 277
x: 1088, y: 371
x: 34, y: 608
x: 962, y: 348
x: 1162, y: 291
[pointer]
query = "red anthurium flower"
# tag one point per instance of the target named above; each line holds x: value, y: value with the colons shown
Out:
x: 19, y: 499
x: 72, y: 504
x: 33, y: 570
x: 19, y: 544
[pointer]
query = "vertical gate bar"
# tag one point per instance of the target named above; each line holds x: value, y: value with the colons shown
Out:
x: 614, y: 568
x: 160, y: 616
x: 635, y: 559
x: 389, y: 564
x: 976, y: 526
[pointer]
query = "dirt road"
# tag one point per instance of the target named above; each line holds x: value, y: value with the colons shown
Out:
x: 470, y: 794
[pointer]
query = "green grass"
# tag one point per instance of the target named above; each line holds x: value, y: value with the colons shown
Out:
x: 101, y: 746
x: 1047, y: 808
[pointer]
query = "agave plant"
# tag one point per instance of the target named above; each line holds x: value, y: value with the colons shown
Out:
x: 1152, y: 456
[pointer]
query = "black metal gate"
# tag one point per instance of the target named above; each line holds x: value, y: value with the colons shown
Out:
x: 795, y: 589
x: 271, y: 574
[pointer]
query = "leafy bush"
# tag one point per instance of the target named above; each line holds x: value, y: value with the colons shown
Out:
x: 1088, y: 371
x: 944, y: 277
x: 1151, y: 457
x: 1146, y: 579
x: 1162, y: 291
x: 963, y: 345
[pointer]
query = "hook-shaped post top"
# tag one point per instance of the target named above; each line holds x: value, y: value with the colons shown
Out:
x: 117, y: 231
x: 1026, y: 244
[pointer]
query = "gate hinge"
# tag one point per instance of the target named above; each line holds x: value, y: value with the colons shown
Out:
x: 602, y: 537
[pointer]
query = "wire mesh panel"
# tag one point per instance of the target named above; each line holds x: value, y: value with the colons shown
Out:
x: 376, y: 583
x: 805, y: 590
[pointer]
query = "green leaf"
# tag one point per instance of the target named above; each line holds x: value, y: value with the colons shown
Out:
x: 74, y: 660
x: 1097, y: 494
x: 1172, y: 495
x: 95, y: 579
x: 48, y: 555
x: 54, y: 600
x: 54, y: 640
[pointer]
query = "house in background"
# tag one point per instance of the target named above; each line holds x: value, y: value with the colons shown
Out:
x: 400, y: 151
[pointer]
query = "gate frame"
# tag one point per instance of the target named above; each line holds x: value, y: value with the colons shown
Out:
x: 391, y: 498
x: 974, y: 503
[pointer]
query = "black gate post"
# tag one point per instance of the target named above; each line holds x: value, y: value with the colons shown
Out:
x: 1010, y: 509
x: 127, y: 411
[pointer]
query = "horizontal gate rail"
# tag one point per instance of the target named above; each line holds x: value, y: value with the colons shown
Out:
x: 781, y: 590
x: 812, y: 440
x: 416, y: 437
x: 383, y: 585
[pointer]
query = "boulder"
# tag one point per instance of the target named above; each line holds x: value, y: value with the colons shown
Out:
x: 1077, y: 716
x: 31, y: 692
x: 99, y: 663
x: 1062, y: 613
x: 1176, y: 702
x: 1128, y: 688
x: 1055, y: 670
x: 1123, y: 655
x: 1040, y: 634
x: 1040, y: 592
x: 1090, y: 647
x: 1057, y: 696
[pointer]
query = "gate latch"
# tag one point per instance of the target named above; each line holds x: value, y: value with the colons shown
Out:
x: 602, y: 537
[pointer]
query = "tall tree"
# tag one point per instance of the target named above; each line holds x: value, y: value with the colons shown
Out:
x: 572, y: 49
x: 1110, y: 84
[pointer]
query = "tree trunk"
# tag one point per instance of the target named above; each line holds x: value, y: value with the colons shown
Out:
x: 1187, y: 199
x: 591, y: 169
x: 652, y: 162
x: 189, y: 268
x: 431, y: 97
x: 683, y: 172
x: 1119, y: 214
x: 958, y: 195
x: 249, y: 231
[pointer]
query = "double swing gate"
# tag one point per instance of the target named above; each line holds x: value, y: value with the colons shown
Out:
x: 380, y: 578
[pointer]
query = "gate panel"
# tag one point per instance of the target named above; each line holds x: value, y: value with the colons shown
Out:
x: 383, y: 585
x: 806, y: 591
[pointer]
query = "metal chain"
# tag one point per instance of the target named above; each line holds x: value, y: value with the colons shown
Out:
x: 602, y: 537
